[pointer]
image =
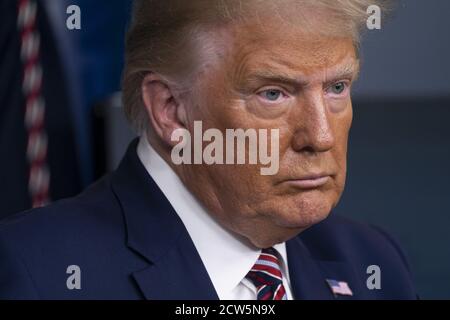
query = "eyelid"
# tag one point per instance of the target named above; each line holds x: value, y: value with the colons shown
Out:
x: 282, y: 98
x: 346, y: 82
x: 268, y: 88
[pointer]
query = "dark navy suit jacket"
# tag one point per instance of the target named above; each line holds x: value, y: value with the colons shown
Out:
x: 130, y: 244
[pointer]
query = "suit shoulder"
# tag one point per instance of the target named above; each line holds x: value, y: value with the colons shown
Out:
x: 362, y: 248
x: 88, y: 231
x: 63, y: 217
x: 340, y: 237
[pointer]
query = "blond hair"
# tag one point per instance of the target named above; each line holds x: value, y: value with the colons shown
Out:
x: 162, y: 36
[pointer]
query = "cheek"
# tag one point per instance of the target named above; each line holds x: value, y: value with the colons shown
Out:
x: 240, y: 189
x: 344, y: 122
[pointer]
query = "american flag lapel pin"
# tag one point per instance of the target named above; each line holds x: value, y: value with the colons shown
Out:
x: 339, y: 288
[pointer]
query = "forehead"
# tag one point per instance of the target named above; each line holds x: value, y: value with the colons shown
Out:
x: 274, y: 47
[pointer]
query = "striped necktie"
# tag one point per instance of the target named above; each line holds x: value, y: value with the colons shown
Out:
x: 266, y: 276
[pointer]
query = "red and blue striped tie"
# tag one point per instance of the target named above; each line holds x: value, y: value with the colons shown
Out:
x: 266, y: 276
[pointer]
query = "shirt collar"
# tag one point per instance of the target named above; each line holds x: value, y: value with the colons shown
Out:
x: 227, y: 258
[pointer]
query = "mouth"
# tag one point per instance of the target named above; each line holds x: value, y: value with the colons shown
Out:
x: 306, y: 182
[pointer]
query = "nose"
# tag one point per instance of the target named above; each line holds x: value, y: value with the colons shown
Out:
x: 313, y: 130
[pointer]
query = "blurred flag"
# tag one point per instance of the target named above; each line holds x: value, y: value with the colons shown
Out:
x: 38, y: 161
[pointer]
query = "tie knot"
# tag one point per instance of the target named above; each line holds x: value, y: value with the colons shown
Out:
x: 266, y: 276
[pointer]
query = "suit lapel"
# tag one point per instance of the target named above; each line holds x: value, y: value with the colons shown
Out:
x: 177, y: 275
x: 156, y: 233
x: 306, y: 279
x: 308, y: 275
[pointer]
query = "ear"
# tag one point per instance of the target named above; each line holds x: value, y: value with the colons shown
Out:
x: 165, y: 111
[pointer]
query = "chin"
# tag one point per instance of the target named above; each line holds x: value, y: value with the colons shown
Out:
x: 303, y: 211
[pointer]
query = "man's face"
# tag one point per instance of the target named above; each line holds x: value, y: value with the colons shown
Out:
x: 287, y: 80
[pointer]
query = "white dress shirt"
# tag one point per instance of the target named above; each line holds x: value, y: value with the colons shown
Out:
x: 226, y: 258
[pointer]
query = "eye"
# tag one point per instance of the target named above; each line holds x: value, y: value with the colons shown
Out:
x: 271, y: 95
x: 338, y: 88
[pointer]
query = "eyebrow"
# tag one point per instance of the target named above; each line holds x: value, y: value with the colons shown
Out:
x: 347, y: 71
x: 350, y: 70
